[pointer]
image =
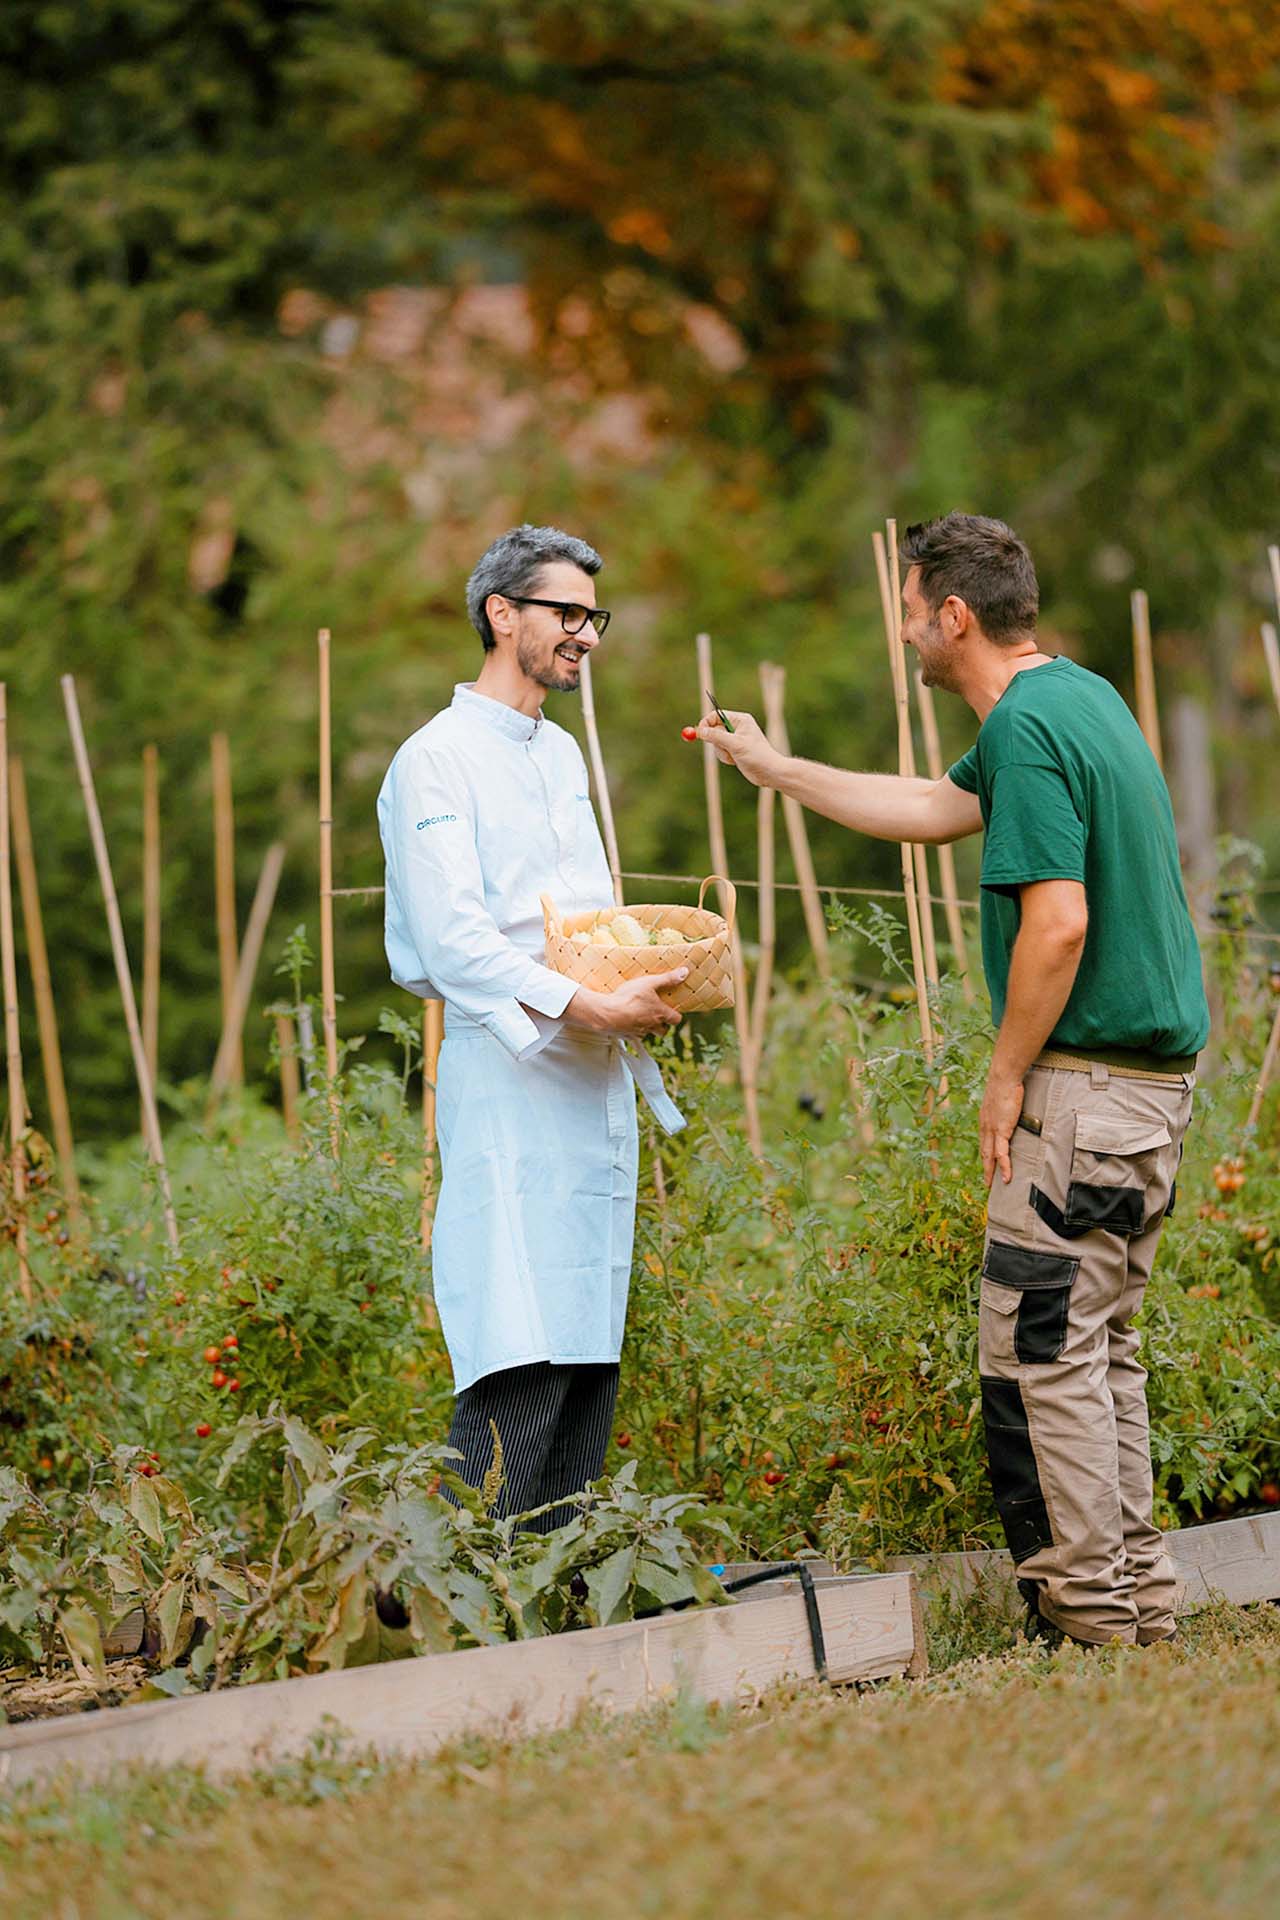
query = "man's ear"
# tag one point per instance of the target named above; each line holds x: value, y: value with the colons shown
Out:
x: 960, y: 616
x: 500, y: 613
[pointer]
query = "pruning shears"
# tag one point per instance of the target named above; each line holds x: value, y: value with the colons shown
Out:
x: 724, y: 719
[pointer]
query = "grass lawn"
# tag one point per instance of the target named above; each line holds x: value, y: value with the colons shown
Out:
x: 1117, y: 1786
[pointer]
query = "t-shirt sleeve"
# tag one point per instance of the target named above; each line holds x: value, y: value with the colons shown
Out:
x: 1034, y: 831
x: 965, y: 772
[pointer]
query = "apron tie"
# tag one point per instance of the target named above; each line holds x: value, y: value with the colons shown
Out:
x: 643, y: 1068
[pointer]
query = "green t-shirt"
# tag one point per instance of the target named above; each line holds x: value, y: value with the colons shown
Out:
x: 1069, y: 790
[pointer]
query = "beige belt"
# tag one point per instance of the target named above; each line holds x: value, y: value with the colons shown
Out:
x: 1072, y: 1063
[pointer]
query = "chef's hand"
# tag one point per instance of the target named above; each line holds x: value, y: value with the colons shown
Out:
x: 634, y: 1008
x: 746, y: 748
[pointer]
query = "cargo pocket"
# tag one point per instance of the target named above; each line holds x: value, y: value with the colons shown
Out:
x: 1037, y: 1289
x: 1115, y: 1164
x: 997, y: 1322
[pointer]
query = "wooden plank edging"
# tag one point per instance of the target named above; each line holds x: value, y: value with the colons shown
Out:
x: 870, y: 1624
x: 1236, y: 1560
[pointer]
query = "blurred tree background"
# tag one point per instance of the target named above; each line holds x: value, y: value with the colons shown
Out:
x: 303, y: 301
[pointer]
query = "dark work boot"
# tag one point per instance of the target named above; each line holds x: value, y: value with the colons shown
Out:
x: 1036, y: 1627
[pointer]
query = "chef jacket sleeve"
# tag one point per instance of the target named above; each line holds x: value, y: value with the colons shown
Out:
x: 428, y: 831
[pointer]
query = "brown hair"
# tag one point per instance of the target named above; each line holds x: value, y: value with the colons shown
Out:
x: 983, y: 563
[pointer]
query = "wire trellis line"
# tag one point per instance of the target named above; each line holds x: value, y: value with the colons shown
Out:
x: 865, y: 893
x: 691, y: 880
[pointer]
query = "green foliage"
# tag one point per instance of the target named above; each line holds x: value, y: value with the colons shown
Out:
x: 204, y: 458
x: 357, y: 1523
x: 804, y: 1346
x: 800, y: 1355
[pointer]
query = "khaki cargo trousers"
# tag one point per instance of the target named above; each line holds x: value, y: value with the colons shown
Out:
x: 1069, y: 1248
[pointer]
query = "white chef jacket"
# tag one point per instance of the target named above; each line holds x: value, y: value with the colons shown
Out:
x: 482, y: 810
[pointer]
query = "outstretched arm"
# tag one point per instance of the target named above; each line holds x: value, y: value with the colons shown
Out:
x: 888, y: 806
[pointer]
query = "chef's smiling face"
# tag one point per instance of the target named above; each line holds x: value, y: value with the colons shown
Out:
x: 544, y: 652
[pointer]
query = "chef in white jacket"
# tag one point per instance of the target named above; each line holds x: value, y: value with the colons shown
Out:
x: 482, y: 810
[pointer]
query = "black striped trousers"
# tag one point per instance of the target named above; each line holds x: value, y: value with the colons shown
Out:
x: 554, y: 1424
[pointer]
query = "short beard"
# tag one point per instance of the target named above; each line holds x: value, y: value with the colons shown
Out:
x: 935, y: 670
x: 527, y: 661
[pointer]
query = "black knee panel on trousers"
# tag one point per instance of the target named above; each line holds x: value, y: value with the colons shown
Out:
x: 1015, y: 1477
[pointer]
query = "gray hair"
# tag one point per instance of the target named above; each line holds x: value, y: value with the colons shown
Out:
x: 513, y: 564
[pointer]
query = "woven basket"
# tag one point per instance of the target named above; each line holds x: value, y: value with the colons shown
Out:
x: 704, y: 949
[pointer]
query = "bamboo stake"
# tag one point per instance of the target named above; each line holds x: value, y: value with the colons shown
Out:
x: 1271, y: 648
x: 151, y: 1119
x: 328, y: 983
x: 720, y: 864
x: 815, y: 919
x: 224, y: 875
x: 41, y: 980
x: 1144, y: 677
x: 772, y: 681
x: 242, y: 987
x: 432, y: 1036
x: 1264, y: 1075
x: 907, y: 756
x: 151, y: 909
x: 898, y: 666
x: 12, y: 1034
x: 946, y: 857
x: 306, y: 1044
x: 605, y: 804
x: 600, y: 778
x: 1273, y: 556
x: 290, y: 1087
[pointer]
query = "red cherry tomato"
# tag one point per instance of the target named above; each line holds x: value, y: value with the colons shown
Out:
x: 624, y: 1439
x: 219, y: 1377
x: 230, y: 1341
x: 203, y: 1430
x: 213, y: 1355
x: 233, y: 1386
x: 688, y: 733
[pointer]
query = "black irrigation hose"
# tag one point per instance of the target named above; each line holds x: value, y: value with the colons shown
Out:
x: 784, y: 1570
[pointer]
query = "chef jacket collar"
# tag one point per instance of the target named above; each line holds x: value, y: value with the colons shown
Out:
x: 496, y: 713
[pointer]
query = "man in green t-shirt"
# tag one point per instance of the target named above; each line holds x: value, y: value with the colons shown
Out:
x: 1096, y: 992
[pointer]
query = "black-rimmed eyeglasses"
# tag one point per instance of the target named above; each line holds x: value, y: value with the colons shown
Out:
x: 573, y: 616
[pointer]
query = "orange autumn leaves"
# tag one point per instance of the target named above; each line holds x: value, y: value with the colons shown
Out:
x: 1139, y: 98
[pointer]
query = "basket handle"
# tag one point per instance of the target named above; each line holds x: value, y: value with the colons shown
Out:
x: 551, y: 915
x: 729, y: 888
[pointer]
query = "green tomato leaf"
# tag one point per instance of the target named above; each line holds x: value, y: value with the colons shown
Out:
x: 145, y: 1509
x: 610, y: 1586
x: 168, y: 1685
x: 230, y: 1581
x: 664, y: 1585
x: 169, y: 1615
x: 310, y: 1455
x: 80, y: 1631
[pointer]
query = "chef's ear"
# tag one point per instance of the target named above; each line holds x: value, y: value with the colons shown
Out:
x: 501, y: 615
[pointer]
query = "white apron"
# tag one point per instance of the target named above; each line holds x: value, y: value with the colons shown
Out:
x: 531, y: 1246
x: 481, y: 811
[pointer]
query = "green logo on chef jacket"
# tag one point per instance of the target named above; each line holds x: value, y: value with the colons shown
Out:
x: 436, y: 820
